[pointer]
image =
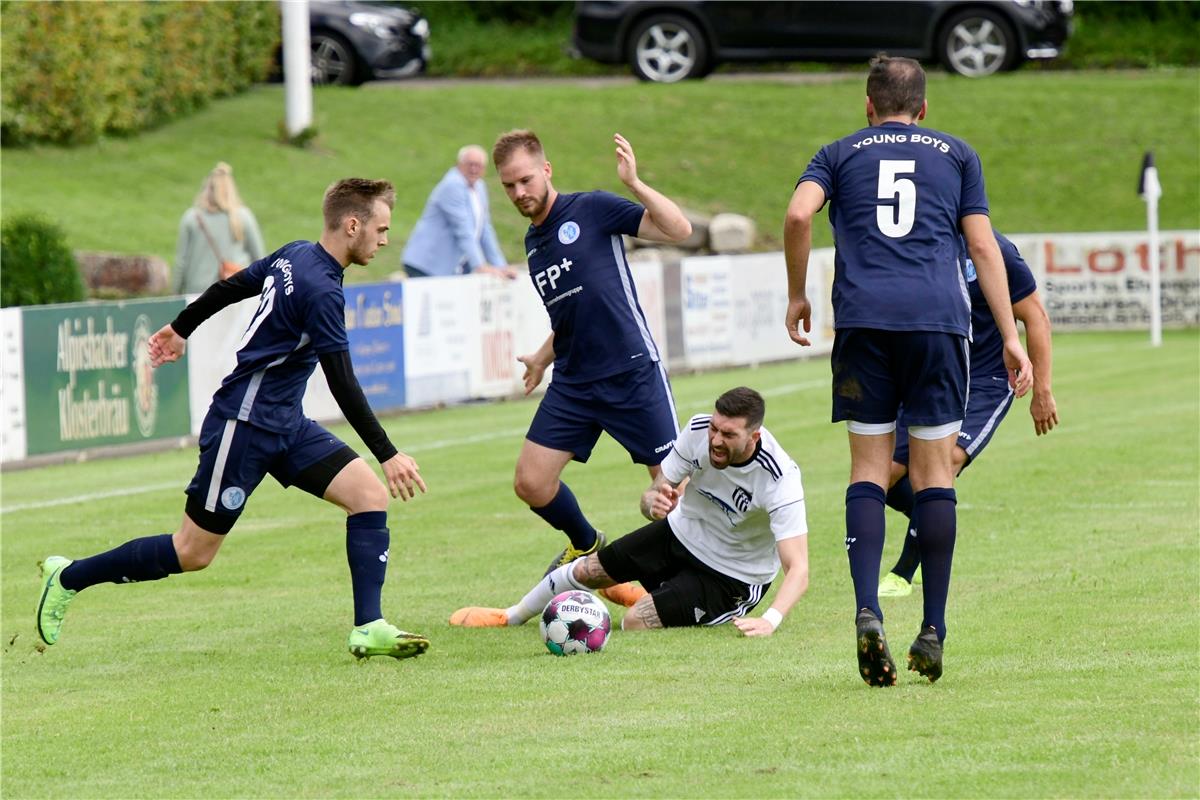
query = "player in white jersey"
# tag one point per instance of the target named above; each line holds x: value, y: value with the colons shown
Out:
x: 714, y: 547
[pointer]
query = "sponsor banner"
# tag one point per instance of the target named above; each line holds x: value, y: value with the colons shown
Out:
x: 375, y: 328
x: 88, y: 379
x: 706, y: 302
x: 441, y: 339
x: 12, y: 386
x: 650, y: 286
x: 496, y: 371
x: 734, y: 309
x: 1101, y: 281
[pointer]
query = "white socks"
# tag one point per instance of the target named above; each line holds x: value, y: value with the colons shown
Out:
x: 532, y: 604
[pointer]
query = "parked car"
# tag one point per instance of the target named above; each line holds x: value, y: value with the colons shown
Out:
x: 668, y: 42
x: 354, y: 42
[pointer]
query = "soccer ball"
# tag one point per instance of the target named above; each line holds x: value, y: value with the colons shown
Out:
x: 575, y: 622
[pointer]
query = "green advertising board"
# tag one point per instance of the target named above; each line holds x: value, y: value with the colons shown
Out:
x: 88, y: 379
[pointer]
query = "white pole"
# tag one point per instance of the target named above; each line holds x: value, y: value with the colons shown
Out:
x: 1151, y: 190
x: 297, y: 65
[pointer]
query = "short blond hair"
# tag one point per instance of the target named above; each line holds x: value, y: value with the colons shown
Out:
x: 511, y: 142
x: 355, y: 197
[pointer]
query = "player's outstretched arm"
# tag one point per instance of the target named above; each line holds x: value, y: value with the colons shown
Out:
x: 165, y: 346
x: 663, y: 221
x: 993, y: 280
x: 806, y: 201
x: 536, y: 364
x: 793, y: 555
x: 1037, y: 338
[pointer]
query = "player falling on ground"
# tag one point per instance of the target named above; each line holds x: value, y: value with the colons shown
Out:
x: 608, y: 375
x: 899, y: 198
x: 711, y: 554
x: 256, y: 426
x: 988, y: 401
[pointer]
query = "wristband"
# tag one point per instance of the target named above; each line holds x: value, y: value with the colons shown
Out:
x: 773, y: 617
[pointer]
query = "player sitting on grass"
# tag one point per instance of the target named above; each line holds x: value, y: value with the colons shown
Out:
x: 711, y: 554
x: 988, y: 401
x: 256, y: 425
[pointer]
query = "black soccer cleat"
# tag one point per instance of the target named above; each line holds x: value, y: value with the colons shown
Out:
x: 875, y: 665
x: 925, y: 655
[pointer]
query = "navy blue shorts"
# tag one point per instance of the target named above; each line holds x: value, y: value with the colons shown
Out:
x: 876, y: 372
x: 235, y: 456
x: 987, y: 404
x: 635, y: 408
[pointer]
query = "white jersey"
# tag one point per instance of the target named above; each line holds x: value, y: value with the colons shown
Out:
x: 731, y: 518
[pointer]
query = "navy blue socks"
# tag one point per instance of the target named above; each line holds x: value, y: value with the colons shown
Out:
x: 367, y: 541
x: 934, y: 517
x: 864, y: 542
x: 564, y: 514
x: 900, y: 497
x: 150, y: 558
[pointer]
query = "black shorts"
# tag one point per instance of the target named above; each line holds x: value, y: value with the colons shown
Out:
x: 686, y: 591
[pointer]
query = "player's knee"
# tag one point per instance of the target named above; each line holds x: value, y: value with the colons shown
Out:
x: 534, y: 492
x: 639, y: 615
x: 371, y: 496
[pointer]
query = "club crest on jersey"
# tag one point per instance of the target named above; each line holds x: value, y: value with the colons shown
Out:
x: 742, y: 499
x: 233, y: 498
x: 568, y: 232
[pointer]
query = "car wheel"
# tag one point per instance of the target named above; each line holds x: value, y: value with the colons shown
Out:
x: 666, y: 48
x: 978, y: 42
x: 333, y: 60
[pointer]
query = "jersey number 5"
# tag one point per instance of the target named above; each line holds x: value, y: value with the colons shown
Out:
x: 896, y: 221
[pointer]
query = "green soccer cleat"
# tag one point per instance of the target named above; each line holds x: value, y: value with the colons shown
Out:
x: 893, y: 585
x: 917, y: 576
x: 381, y: 638
x: 52, y: 606
x: 570, y: 554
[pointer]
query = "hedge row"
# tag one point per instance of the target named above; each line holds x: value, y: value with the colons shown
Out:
x: 70, y: 72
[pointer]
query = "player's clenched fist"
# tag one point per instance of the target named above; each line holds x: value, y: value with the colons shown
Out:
x: 403, y: 476
x: 663, y: 501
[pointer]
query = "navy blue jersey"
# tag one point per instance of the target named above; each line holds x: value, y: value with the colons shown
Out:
x: 987, y: 346
x: 301, y: 314
x: 897, y: 194
x: 577, y: 264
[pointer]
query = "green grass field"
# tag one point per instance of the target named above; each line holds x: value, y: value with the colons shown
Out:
x: 1061, y: 152
x: 1071, y: 662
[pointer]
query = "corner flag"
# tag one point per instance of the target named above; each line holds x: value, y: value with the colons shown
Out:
x: 1150, y: 190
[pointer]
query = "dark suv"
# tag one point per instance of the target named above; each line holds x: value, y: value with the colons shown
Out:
x: 354, y: 42
x: 668, y: 42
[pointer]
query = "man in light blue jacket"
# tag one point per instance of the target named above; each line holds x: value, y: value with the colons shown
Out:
x: 454, y: 235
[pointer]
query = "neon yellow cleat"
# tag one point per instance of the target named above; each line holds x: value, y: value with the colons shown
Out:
x: 893, y: 585
x: 381, y: 638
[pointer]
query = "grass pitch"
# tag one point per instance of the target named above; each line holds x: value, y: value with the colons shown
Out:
x: 1071, y: 664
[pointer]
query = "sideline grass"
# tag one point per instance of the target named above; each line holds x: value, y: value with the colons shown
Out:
x: 1061, y: 152
x: 1071, y: 663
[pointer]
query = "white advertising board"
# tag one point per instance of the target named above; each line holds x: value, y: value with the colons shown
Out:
x: 12, y: 386
x: 441, y: 339
x: 1101, y: 281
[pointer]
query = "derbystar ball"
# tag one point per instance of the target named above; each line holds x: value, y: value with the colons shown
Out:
x: 575, y: 622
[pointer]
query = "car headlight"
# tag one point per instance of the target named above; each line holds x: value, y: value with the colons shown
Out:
x: 377, y: 24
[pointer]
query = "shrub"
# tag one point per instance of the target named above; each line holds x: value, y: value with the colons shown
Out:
x: 71, y: 72
x: 38, y: 266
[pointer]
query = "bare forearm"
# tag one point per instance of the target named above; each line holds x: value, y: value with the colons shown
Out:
x: 797, y: 245
x: 1037, y: 339
x: 663, y: 212
x: 794, y: 585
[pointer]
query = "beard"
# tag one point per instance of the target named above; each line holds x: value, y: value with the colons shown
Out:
x: 533, y: 206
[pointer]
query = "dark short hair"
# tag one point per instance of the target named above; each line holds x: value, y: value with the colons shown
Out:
x: 745, y: 403
x: 511, y: 142
x: 355, y: 197
x: 895, y: 85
